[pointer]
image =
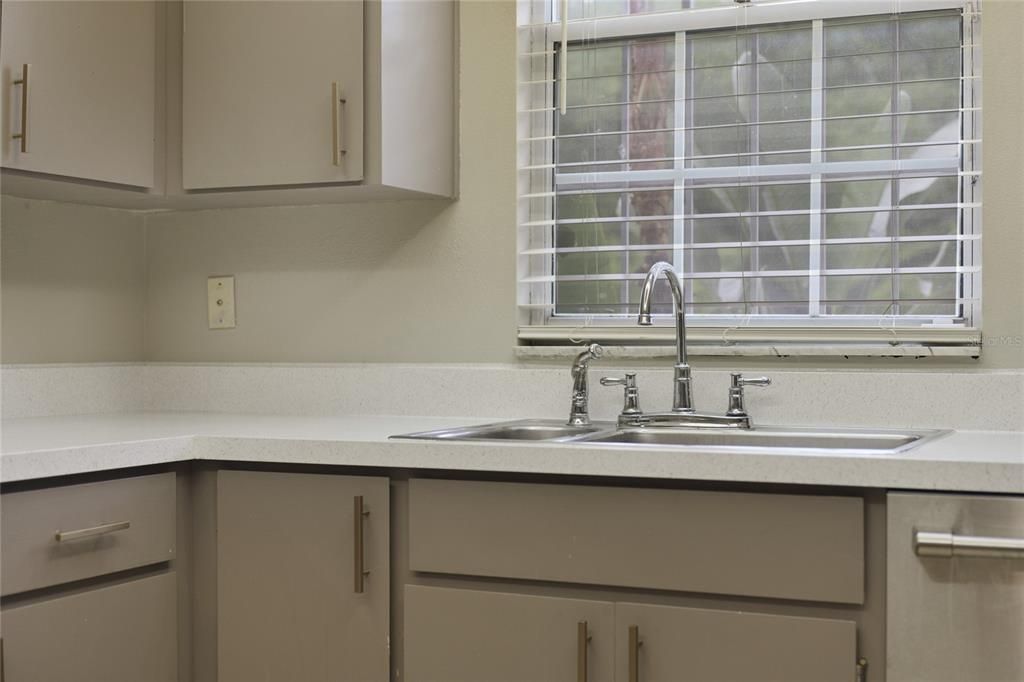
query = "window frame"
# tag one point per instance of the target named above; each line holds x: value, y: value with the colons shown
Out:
x: 538, y: 321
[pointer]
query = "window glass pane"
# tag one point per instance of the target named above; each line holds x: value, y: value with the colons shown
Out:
x: 859, y: 37
x: 929, y: 95
x: 873, y: 99
x: 930, y: 64
x: 860, y: 69
x: 720, y: 177
x: 923, y: 33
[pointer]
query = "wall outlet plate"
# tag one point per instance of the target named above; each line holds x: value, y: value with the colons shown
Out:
x: 220, y: 302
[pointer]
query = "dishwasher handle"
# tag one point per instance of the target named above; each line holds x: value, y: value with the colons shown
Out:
x: 949, y: 545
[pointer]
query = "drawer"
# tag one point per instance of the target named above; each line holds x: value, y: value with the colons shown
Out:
x: 103, y: 527
x: 800, y: 547
x: 122, y: 633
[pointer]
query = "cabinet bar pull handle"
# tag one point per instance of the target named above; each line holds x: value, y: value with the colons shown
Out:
x: 582, y: 638
x: 103, y: 529
x: 949, y: 545
x: 359, y: 513
x: 634, y: 653
x: 23, y: 134
x: 337, y: 124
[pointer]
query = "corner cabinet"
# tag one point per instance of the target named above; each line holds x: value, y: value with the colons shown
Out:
x: 221, y: 103
x: 292, y: 577
x: 90, y: 582
x: 80, y: 89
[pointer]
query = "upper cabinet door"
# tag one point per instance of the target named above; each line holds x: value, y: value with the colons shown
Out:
x: 88, y: 107
x: 272, y: 93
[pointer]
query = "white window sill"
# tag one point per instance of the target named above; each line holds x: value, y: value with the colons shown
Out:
x: 780, y: 350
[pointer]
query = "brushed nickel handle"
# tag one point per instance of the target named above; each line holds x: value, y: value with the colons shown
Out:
x: 22, y: 135
x: 337, y: 124
x: 582, y: 641
x: 359, y: 513
x: 950, y: 545
x: 103, y: 529
x: 634, y: 653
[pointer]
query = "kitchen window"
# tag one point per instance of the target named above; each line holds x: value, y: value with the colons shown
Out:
x: 812, y: 170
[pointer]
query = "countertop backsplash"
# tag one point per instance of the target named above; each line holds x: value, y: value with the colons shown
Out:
x: 915, y: 399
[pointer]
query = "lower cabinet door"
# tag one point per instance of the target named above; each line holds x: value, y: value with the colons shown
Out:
x: 123, y: 633
x: 672, y: 644
x: 302, y: 577
x: 454, y: 635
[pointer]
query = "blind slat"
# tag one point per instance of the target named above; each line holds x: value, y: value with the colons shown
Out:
x: 619, y: 248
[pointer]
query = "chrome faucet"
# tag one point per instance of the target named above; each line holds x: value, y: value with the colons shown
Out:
x: 682, y: 396
x: 578, y: 411
x: 683, y: 413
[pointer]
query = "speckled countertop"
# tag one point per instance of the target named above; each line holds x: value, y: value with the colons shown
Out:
x: 43, y: 447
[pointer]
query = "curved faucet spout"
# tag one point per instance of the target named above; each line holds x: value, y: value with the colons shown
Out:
x: 678, y: 300
x: 648, y: 290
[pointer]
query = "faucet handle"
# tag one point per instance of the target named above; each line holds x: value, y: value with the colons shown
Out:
x: 629, y: 381
x: 631, y: 404
x: 736, y: 407
x: 738, y: 381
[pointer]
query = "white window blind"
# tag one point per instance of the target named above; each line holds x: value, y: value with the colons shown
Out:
x: 804, y: 168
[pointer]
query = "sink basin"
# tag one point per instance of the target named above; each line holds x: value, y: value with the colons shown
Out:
x: 768, y: 437
x: 525, y: 430
x: 777, y: 438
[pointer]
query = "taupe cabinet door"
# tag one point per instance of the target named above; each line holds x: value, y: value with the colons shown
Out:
x: 257, y: 102
x: 124, y: 633
x: 91, y: 105
x: 287, y: 603
x: 457, y: 635
x: 703, y: 645
x: 954, y: 617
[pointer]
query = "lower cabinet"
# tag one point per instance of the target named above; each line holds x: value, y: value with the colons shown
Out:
x: 456, y: 635
x: 123, y: 633
x: 671, y: 644
x: 90, y: 581
x: 300, y: 585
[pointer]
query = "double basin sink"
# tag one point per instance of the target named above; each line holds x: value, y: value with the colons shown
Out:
x: 785, y: 438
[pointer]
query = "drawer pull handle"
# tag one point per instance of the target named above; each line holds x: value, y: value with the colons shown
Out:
x: 582, y: 640
x: 949, y: 545
x: 634, y: 653
x: 22, y: 135
x: 359, y: 513
x: 103, y: 529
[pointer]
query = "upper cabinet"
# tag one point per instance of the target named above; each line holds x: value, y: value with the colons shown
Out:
x: 80, y: 89
x: 272, y: 93
x: 250, y: 103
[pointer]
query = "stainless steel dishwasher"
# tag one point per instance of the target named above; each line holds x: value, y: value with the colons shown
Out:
x: 955, y: 588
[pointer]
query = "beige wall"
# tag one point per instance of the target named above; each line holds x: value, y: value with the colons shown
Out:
x: 400, y: 281
x: 73, y: 283
x: 433, y: 281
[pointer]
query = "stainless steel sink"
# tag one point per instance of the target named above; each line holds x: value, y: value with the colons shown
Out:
x: 770, y: 437
x: 525, y: 430
x: 606, y: 433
